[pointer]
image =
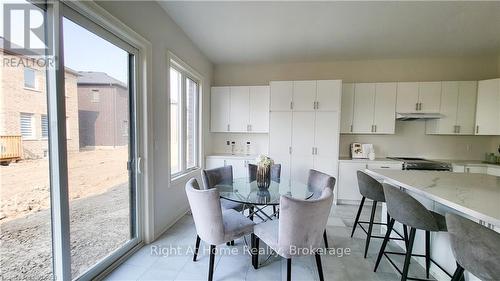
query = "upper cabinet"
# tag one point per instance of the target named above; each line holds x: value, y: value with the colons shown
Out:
x: 240, y: 109
x: 458, y: 107
x: 321, y: 95
x: 418, y: 97
x: 368, y: 108
x: 488, y: 107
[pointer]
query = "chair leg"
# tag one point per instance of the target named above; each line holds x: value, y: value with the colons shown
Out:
x: 405, y: 233
x: 427, y: 252
x: 211, y: 264
x: 370, y: 227
x: 459, y: 273
x: 319, y: 266
x: 384, y: 244
x: 288, y: 269
x: 255, y: 251
x: 404, y: 275
x: 357, y: 215
x: 250, y: 210
x: 196, y: 247
x: 325, y: 238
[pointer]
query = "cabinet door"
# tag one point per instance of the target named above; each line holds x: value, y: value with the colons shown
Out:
x: 476, y: 169
x: 466, y: 112
x: 493, y: 171
x: 240, y: 168
x: 449, y: 104
x: 212, y: 163
x: 429, y: 97
x: 364, y: 100
x: 328, y: 95
x: 281, y: 95
x: 304, y: 95
x: 384, y: 118
x: 280, y: 140
x: 407, y: 97
x: 347, y: 108
x: 239, y: 109
x: 458, y: 168
x: 348, y: 181
x: 259, y: 109
x: 488, y: 103
x: 220, y: 104
x: 326, y: 142
x: 302, y: 144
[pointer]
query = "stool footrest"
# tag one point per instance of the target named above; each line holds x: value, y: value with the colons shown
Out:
x: 386, y: 254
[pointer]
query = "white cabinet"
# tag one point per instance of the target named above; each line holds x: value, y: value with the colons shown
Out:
x: 239, y: 164
x: 348, y: 181
x: 364, y: 107
x: 347, y: 112
x: 348, y: 190
x: 240, y: 109
x: 369, y: 108
x: 281, y: 95
x: 321, y: 95
x: 304, y: 95
x: 307, y: 137
x: 220, y: 109
x: 259, y: 109
x: 476, y: 169
x: 418, y: 97
x: 458, y: 168
x: 488, y: 107
x: 494, y: 171
x: 458, y: 107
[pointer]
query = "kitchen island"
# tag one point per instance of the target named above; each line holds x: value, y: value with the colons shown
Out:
x: 474, y: 196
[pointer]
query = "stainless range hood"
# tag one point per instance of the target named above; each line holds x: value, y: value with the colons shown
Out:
x: 417, y: 116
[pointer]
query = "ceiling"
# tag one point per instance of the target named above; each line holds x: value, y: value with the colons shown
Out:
x: 263, y: 32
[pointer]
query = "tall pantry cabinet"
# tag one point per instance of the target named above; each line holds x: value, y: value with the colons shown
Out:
x: 304, y: 127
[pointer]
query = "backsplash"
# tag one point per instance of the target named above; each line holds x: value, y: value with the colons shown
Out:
x: 259, y: 143
x: 410, y: 140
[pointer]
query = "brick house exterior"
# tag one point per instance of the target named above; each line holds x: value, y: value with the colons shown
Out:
x: 103, y: 111
x: 17, y: 100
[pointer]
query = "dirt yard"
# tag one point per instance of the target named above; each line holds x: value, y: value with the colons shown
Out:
x: 99, y: 207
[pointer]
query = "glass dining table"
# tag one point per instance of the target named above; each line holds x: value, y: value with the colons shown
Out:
x: 244, y: 191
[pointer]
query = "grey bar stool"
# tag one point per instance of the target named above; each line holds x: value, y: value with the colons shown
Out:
x: 372, y: 189
x: 408, y: 211
x: 476, y: 248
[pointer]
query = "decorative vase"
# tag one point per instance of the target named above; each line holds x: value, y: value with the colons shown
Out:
x: 263, y: 176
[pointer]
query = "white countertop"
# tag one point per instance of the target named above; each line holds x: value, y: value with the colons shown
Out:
x: 377, y: 160
x: 469, y: 163
x: 476, y: 195
x: 232, y: 156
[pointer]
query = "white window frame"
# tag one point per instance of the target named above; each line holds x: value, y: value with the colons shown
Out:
x: 35, y: 82
x: 189, y: 72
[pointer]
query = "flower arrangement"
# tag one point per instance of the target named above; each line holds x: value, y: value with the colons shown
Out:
x: 264, y: 161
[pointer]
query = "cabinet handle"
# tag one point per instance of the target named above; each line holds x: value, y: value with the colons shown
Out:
x: 375, y: 128
x: 290, y: 150
x: 477, y: 129
x: 315, y: 151
x: 312, y: 151
x: 228, y: 127
x: 416, y: 106
x: 317, y: 105
x: 419, y: 106
x: 384, y: 167
x: 291, y: 105
x: 351, y: 129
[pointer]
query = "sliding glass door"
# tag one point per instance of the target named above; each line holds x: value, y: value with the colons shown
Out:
x: 68, y: 145
x: 100, y: 141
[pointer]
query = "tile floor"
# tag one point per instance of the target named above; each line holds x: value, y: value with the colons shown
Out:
x: 154, y: 262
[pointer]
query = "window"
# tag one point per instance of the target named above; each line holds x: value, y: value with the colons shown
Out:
x: 45, y: 126
x: 184, y: 120
x: 29, y: 78
x: 27, y: 130
x: 95, y: 96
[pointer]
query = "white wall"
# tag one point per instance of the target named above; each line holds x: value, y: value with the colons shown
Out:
x: 410, y: 138
x: 151, y: 21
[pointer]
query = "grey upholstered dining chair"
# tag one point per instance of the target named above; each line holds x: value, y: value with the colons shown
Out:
x: 275, y: 172
x: 222, y: 175
x: 316, y: 182
x: 213, y: 225
x: 298, y: 231
x: 476, y: 248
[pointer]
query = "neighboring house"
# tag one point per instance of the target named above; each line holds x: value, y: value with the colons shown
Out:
x: 103, y: 110
x: 23, y: 105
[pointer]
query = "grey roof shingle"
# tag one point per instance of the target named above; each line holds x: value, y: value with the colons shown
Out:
x: 98, y: 78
